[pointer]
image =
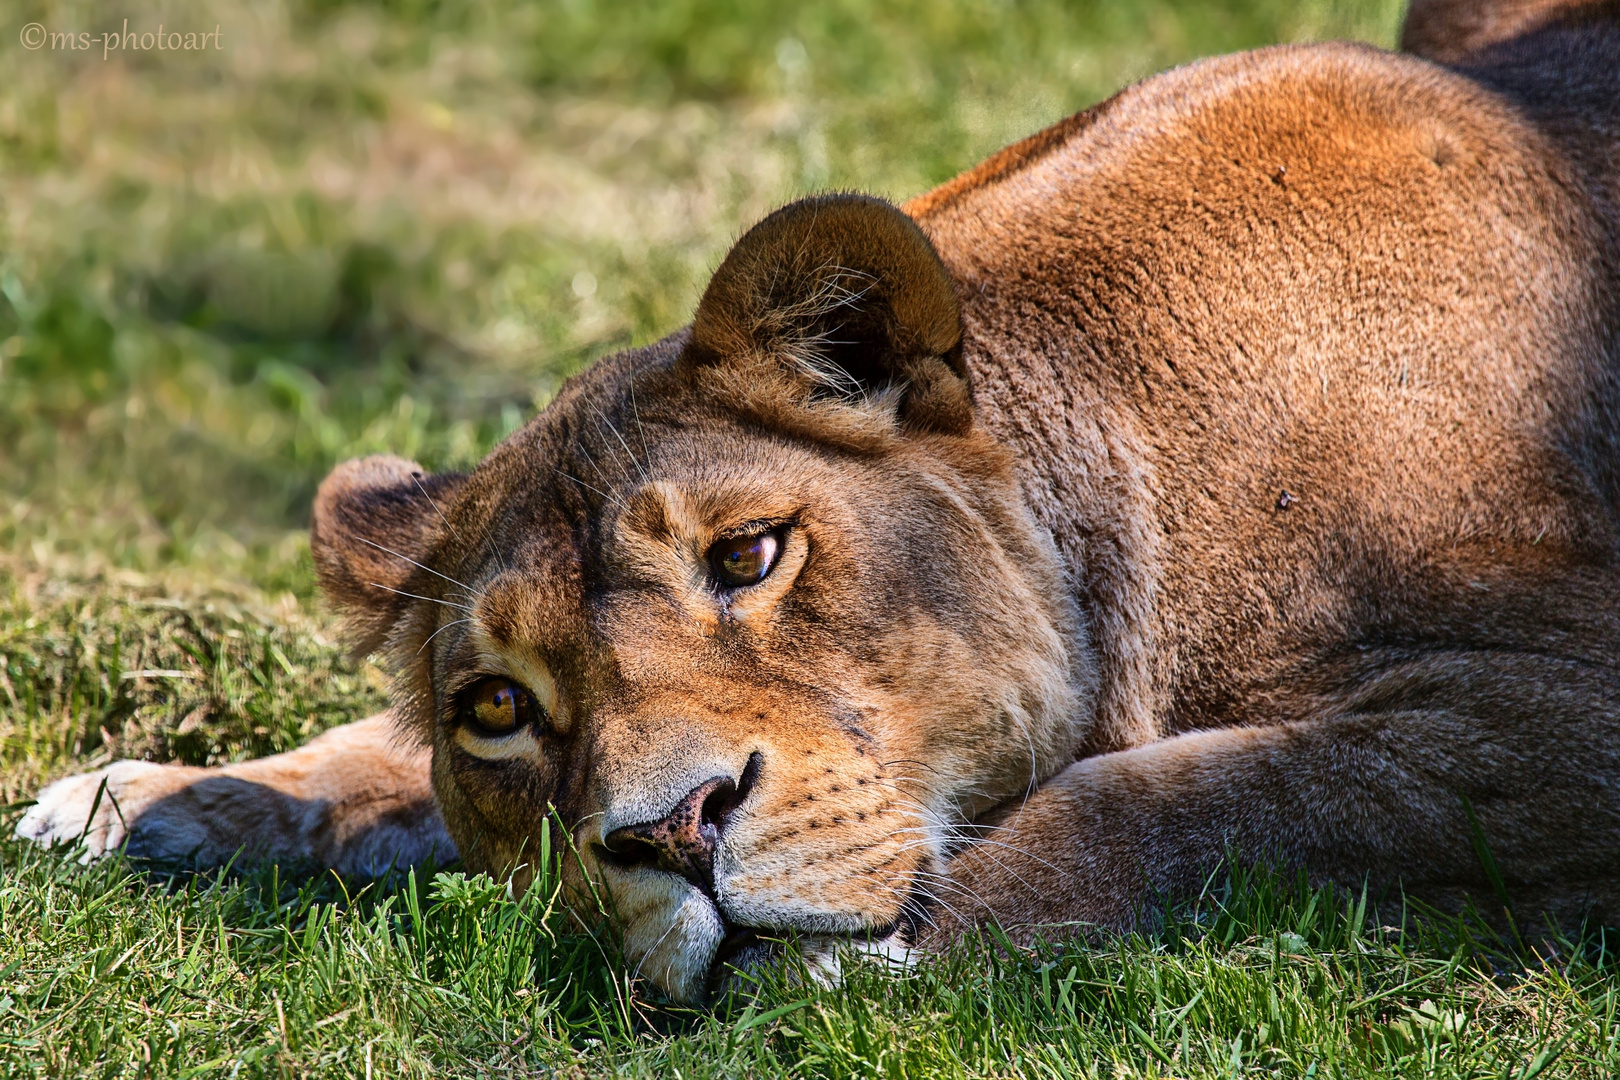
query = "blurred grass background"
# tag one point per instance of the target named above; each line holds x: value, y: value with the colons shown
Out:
x: 396, y: 226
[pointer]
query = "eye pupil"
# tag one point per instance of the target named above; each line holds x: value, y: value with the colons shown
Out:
x: 500, y: 708
x: 745, y: 560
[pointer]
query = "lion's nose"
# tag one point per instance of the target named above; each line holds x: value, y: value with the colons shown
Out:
x: 683, y: 841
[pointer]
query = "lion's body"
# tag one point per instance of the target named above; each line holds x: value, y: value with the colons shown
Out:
x: 1326, y: 271
x: 1284, y: 515
x: 1385, y: 291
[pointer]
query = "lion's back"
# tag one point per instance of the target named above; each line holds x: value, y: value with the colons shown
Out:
x: 1327, y: 311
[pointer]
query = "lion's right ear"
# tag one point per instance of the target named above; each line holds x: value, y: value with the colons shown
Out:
x: 846, y: 296
x: 375, y: 520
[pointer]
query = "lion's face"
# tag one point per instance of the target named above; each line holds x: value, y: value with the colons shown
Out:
x: 761, y: 642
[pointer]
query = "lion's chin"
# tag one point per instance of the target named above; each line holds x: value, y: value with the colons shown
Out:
x: 671, y: 933
x: 684, y: 944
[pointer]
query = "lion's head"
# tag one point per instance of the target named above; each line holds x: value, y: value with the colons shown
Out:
x: 757, y: 609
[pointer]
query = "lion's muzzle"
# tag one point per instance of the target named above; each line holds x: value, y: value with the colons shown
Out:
x: 683, y: 841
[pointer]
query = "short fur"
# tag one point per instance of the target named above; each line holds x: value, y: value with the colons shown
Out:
x: 1235, y: 466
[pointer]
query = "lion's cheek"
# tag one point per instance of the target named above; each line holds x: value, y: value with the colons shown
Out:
x: 493, y: 811
x: 838, y: 877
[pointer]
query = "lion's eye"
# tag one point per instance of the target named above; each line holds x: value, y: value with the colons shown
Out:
x: 500, y: 707
x: 744, y: 560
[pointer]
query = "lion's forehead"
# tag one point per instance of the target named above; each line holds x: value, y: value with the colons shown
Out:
x: 561, y: 542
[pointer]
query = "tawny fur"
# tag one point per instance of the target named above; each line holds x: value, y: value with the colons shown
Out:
x: 1232, y: 467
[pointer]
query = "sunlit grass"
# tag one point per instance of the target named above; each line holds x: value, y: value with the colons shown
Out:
x: 121, y: 667
x: 110, y: 971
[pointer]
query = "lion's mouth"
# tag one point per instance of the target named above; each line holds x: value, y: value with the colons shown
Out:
x: 745, y: 949
x: 745, y: 952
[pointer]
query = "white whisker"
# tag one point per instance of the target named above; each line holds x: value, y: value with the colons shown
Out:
x: 441, y: 630
x: 617, y: 435
x: 588, y: 487
x: 414, y: 596
x: 417, y: 480
x: 413, y: 562
x: 641, y: 433
x: 654, y: 948
x: 488, y: 542
x: 596, y: 468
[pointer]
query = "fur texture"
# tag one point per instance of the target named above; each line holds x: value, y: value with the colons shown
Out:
x: 1233, y: 466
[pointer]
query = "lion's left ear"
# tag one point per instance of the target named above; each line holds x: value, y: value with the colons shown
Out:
x: 845, y: 294
x: 377, y: 521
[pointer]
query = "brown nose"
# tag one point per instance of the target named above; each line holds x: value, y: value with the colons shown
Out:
x: 683, y: 841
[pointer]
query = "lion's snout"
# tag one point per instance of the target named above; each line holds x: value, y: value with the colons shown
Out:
x: 683, y: 841
x: 719, y: 829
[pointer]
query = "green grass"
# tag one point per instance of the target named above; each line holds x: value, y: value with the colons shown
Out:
x: 396, y: 226
x: 260, y: 976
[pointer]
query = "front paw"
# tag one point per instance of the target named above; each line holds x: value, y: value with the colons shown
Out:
x: 94, y: 810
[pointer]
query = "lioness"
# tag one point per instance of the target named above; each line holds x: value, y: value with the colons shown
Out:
x: 1235, y: 465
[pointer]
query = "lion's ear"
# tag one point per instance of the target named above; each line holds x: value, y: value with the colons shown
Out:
x: 848, y: 295
x: 375, y: 519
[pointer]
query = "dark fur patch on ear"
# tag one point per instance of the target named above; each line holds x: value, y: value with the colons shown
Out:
x: 374, y: 519
x: 847, y: 294
x: 936, y: 397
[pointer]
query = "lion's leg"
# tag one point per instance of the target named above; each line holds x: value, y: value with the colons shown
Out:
x: 355, y: 799
x: 1371, y: 791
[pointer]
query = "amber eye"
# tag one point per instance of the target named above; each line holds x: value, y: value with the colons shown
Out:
x: 744, y: 560
x: 500, y: 707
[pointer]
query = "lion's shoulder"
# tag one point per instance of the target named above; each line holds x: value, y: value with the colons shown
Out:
x: 1352, y: 106
x: 1007, y: 161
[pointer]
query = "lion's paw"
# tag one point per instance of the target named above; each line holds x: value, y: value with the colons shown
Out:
x: 94, y: 810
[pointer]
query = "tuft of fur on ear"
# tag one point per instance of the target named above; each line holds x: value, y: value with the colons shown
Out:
x: 847, y: 295
x: 375, y: 520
